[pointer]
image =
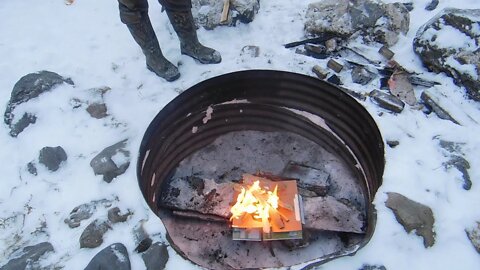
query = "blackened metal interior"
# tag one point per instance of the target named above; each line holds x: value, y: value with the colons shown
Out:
x: 263, y: 100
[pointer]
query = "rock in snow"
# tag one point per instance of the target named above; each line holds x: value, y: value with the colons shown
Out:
x: 413, y: 216
x: 29, y: 257
x: 52, y: 157
x: 474, y: 236
x: 449, y: 43
x: 112, y: 161
x: 28, y: 87
x: 92, y: 236
x: 156, y: 257
x: 113, y: 257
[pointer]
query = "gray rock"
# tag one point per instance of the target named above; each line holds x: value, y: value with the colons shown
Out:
x: 250, y: 50
x: 92, y: 236
x: 453, y: 152
x: 52, y: 157
x: 433, y: 103
x: 387, y: 101
x: 32, y: 169
x: 361, y: 75
x: 28, y: 87
x: 432, y: 5
x: 28, y: 257
x: 113, y: 257
x: 373, y: 20
x: 84, y: 211
x: 474, y: 236
x: 112, y: 161
x: 141, y: 237
x: 114, y: 215
x: 372, y: 267
x: 207, y: 12
x: 461, y: 61
x: 97, y: 110
x: 413, y: 216
x: 156, y: 257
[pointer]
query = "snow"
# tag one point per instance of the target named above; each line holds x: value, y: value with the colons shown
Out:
x: 87, y: 42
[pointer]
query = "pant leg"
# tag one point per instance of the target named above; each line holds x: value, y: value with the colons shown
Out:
x: 176, y: 5
x: 131, y: 11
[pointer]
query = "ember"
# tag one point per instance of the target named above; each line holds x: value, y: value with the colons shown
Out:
x: 260, y: 213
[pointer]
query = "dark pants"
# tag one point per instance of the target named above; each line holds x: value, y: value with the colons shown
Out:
x: 132, y: 10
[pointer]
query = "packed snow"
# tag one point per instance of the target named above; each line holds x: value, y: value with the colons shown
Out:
x: 87, y: 42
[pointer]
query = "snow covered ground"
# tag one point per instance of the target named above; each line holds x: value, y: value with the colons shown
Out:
x: 87, y: 42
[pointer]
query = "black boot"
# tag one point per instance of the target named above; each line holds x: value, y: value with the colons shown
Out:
x: 183, y: 24
x: 144, y: 35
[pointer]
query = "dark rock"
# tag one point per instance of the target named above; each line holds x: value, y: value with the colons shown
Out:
x: 413, y: 216
x: 144, y: 245
x: 250, y: 50
x: 361, y: 75
x: 387, y: 101
x: 92, y: 236
x: 52, y: 157
x: 114, y: 215
x: 393, y: 144
x: 372, y: 20
x: 84, y: 211
x: 113, y: 257
x: 474, y: 236
x: 28, y: 257
x: 462, y: 165
x: 459, y: 60
x: 432, y: 5
x: 104, y: 163
x: 372, y: 267
x: 28, y: 87
x: 335, y: 80
x: 26, y: 120
x: 409, y: 6
x: 156, y: 257
x: 433, y: 104
x: 32, y: 168
x: 422, y: 82
x: 97, y: 110
x: 316, y: 51
x: 141, y: 237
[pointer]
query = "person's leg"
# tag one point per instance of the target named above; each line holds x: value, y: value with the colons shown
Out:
x: 134, y: 13
x: 180, y: 15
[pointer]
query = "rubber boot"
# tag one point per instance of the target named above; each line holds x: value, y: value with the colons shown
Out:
x: 182, y: 22
x: 145, y: 37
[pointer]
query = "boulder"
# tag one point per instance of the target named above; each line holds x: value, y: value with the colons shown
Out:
x: 52, y: 157
x: 28, y: 257
x: 113, y: 257
x: 207, y: 13
x: 449, y: 43
x: 111, y: 161
x: 413, y: 216
x: 28, y: 87
x: 156, y: 257
x: 374, y: 21
x: 92, y: 236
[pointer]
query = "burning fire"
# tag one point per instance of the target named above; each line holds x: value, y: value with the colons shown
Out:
x: 257, y: 202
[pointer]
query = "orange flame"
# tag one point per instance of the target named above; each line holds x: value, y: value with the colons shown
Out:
x: 257, y: 202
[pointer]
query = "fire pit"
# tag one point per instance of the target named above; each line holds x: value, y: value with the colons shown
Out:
x: 312, y: 147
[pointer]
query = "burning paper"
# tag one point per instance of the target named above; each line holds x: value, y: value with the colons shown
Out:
x: 265, y: 209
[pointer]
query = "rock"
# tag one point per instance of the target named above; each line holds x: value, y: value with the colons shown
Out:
x: 84, y: 211
x: 393, y: 143
x: 456, y: 160
x: 400, y: 86
x: 250, y: 50
x: 316, y: 51
x: 433, y: 103
x: 334, y: 65
x: 386, y: 52
x: 207, y: 12
x: 92, y: 236
x: 156, y: 257
x: 28, y: 87
x: 474, y: 236
x: 52, y: 157
x: 114, y: 215
x: 432, y: 5
x: 372, y: 20
x: 413, y: 216
x: 97, y: 110
x: 409, y: 6
x: 113, y: 257
x: 449, y: 43
x: 387, y: 101
x: 320, y: 72
x: 112, y: 161
x: 32, y: 169
x: 142, y: 239
x: 372, y: 267
x: 334, y: 79
x: 29, y: 257
x: 361, y: 75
